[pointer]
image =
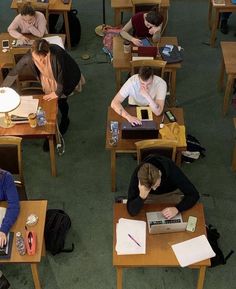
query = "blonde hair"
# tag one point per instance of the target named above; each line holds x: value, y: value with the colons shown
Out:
x: 148, y: 175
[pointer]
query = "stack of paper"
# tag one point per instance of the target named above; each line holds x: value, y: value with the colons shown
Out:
x: 130, y: 237
x: 193, y: 251
x: 55, y: 40
x: 27, y: 105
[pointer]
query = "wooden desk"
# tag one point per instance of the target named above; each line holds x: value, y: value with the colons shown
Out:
x: 214, y: 17
x: 6, y: 59
x: 158, y: 250
x: 228, y: 65
x: 47, y: 131
x: 26, y: 208
x: 121, y: 62
x: 128, y: 145
x: 56, y: 7
x: 234, y: 151
x: 120, y: 6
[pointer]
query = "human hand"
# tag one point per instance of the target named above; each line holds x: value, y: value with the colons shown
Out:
x: 137, y: 42
x: 134, y: 120
x: 154, y: 29
x: 143, y: 191
x: 144, y: 92
x: 50, y: 96
x: 170, y: 212
x: 3, y: 239
x: 24, y: 39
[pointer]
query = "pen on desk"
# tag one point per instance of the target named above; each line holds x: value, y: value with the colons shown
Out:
x: 134, y: 240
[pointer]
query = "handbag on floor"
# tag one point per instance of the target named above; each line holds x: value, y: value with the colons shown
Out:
x: 4, y: 284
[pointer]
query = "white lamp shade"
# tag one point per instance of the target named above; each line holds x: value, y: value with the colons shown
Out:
x: 9, y: 99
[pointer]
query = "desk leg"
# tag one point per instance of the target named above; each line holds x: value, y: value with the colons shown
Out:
x: 234, y: 158
x: 164, y: 13
x: 34, y: 269
x: 228, y: 90
x: 118, y: 79
x: 178, y: 158
x: 173, y: 88
x: 113, y: 170
x: 201, y: 277
x: 214, y: 28
x: 210, y: 14
x: 222, y: 74
x: 52, y: 156
x: 67, y: 29
x: 119, y: 280
x: 117, y: 15
x: 1, y: 76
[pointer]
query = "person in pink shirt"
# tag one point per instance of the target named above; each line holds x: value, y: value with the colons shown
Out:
x: 28, y: 21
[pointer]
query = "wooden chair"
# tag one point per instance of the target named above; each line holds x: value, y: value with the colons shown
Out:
x: 145, y: 5
x: 37, y: 6
x: 157, y: 65
x: 166, y: 148
x: 27, y: 83
x: 11, y: 160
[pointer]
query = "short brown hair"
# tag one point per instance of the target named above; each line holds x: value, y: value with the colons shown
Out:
x: 40, y: 47
x: 145, y: 72
x: 148, y: 175
x: 27, y: 9
x: 154, y: 17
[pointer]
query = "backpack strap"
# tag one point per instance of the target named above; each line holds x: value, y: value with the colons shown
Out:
x: 229, y: 255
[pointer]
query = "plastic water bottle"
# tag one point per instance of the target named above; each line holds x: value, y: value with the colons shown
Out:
x: 20, y: 244
x: 41, y: 117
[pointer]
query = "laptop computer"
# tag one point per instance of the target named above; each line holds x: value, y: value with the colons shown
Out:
x: 158, y: 224
x: 147, y: 130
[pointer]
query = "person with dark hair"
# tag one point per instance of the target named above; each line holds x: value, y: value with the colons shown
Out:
x: 28, y: 21
x: 158, y: 178
x: 143, y: 25
x: 143, y: 89
x: 8, y: 193
x: 58, y: 72
x: 224, y: 17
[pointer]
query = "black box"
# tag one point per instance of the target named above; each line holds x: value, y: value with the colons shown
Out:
x: 148, y: 130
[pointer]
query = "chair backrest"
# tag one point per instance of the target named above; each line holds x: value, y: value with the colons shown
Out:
x: 37, y: 6
x: 166, y: 148
x: 27, y: 83
x: 157, y: 65
x: 11, y: 155
x: 145, y: 5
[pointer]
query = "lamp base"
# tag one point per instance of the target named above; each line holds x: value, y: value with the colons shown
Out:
x: 99, y: 30
x: 4, y: 124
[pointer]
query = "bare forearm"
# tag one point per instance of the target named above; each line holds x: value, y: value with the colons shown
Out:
x: 126, y: 35
x: 118, y: 108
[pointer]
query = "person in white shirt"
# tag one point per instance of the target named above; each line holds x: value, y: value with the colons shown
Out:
x: 28, y: 21
x: 143, y: 89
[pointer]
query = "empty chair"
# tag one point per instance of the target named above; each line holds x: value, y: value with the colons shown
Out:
x: 11, y: 160
x: 166, y: 148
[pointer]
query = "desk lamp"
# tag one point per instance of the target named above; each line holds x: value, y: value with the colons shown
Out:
x: 9, y: 100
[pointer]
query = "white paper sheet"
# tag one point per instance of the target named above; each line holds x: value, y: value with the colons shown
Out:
x: 193, y: 251
x: 27, y: 105
x: 125, y: 245
x: 55, y: 40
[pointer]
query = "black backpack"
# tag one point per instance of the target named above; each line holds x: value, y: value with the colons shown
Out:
x: 194, y: 149
x: 75, y: 27
x: 56, y: 227
x: 213, y: 235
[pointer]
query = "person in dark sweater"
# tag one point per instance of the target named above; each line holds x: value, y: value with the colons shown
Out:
x: 8, y: 193
x: 57, y: 71
x: 159, y: 175
x: 143, y: 25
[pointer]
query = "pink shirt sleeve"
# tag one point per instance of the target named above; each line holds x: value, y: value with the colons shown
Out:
x: 14, y: 27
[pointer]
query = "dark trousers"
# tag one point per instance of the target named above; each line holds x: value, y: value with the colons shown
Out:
x: 64, y: 108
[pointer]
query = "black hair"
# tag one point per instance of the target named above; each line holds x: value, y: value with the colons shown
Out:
x: 154, y: 17
x: 40, y: 47
x: 27, y: 9
x: 145, y: 72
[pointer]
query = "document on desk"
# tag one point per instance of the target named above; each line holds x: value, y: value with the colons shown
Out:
x: 193, y: 251
x: 27, y: 105
x: 55, y: 40
x: 130, y: 237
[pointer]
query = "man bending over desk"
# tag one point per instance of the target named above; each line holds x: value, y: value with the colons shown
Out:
x: 8, y: 193
x: 143, y: 89
x: 158, y: 175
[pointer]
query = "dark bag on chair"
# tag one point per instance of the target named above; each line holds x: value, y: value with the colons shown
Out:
x: 56, y: 227
x: 75, y: 27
